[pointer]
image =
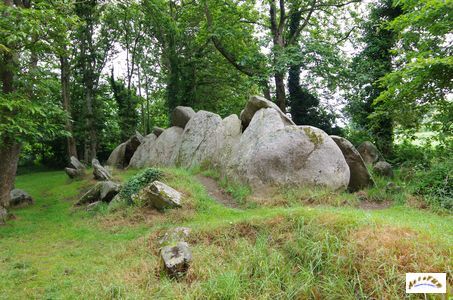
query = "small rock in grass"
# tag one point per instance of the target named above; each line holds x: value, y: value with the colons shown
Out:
x: 20, y: 198
x: 176, y: 259
x: 383, y: 168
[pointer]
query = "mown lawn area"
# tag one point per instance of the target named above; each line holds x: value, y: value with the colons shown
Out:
x: 52, y: 250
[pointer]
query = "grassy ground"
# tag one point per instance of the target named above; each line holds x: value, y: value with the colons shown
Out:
x: 283, y: 247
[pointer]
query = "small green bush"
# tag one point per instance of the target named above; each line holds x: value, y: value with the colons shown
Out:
x: 436, y: 184
x: 137, y: 182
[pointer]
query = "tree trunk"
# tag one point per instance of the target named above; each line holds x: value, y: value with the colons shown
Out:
x: 91, y: 144
x: 280, y: 91
x: 9, y: 153
x: 71, y: 144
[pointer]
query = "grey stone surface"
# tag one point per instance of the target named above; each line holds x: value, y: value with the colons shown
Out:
x: 158, y: 131
x: 360, y: 177
x: 122, y: 155
x: 383, y: 168
x: 140, y: 157
x: 20, y: 198
x: 193, y: 149
x: 160, y: 196
x: 181, y: 116
x: 369, y: 152
x: 176, y: 259
x: 295, y: 156
x: 99, y: 172
x: 256, y: 103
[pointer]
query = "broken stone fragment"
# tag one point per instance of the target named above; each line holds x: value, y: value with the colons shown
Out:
x: 99, y: 172
x: 178, y: 234
x: 176, y: 259
x: 160, y: 196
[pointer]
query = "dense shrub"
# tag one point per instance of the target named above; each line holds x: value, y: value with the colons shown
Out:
x: 436, y: 184
x: 137, y: 182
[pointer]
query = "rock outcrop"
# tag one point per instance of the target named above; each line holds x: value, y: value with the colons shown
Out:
x: 360, y: 177
x: 261, y: 148
x: 181, y: 116
x: 369, y: 152
x: 20, y: 198
x: 99, y: 172
x: 383, y: 168
x: 122, y: 155
x: 160, y: 196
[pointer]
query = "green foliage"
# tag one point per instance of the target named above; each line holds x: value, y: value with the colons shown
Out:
x: 127, y: 103
x: 137, y: 182
x: 29, y: 110
x: 368, y: 67
x: 436, y: 185
x: 416, y: 92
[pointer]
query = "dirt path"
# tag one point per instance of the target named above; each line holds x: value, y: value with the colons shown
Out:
x: 216, y: 192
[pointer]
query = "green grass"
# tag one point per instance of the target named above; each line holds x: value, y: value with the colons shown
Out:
x: 53, y: 251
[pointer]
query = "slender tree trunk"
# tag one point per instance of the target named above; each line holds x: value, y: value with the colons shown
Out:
x: 65, y: 95
x: 280, y: 90
x: 9, y: 153
x: 91, y: 144
x: 9, y: 148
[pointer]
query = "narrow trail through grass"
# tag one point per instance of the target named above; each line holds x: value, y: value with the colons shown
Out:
x: 53, y: 251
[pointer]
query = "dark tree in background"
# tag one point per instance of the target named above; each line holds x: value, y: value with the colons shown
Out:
x: 305, y: 107
x: 127, y: 103
x: 369, y: 66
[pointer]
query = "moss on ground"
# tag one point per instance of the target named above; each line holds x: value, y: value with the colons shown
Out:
x: 265, y: 251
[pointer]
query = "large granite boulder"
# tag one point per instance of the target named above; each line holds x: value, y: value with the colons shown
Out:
x: 369, y: 152
x: 221, y: 145
x: 160, y: 196
x: 295, y: 156
x: 122, y: 155
x: 256, y: 103
x: 165, y: 147
x: 360, y: 177
x: 99, y: 172
x: 264, y: 122
x: 194, y: 149
x: 140, y: 156
x: 20, y: 198
x: 181, y: 116
x: 383, y: 168
x: 176, y: 259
